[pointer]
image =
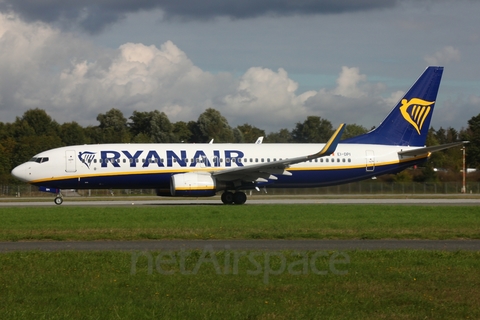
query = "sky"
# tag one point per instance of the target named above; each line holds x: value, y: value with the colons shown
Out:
x: 268, y: 63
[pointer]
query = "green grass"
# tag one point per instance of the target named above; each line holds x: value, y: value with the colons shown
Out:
x: 328, y: 221
x: 377, y: 285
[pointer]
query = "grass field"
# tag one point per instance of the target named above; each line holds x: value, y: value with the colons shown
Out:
x: 374, y: 285
x: 403, y: 284
x: 303, y: 221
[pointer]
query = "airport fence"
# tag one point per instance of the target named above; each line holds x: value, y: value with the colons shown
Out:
x: 363, y: 187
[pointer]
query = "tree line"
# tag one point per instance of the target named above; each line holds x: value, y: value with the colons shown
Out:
x: 36, y: 131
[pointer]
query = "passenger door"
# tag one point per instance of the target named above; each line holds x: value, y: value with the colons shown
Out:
x: 70, y: 162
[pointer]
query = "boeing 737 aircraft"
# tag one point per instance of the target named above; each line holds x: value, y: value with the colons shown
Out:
x: 207, y: 169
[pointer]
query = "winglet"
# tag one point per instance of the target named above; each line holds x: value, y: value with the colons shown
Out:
x: 331, y: 144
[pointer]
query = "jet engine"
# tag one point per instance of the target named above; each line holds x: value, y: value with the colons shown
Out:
x: 192, y: 184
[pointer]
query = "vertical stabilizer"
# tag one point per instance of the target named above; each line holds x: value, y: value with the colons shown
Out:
x: 408, y: 123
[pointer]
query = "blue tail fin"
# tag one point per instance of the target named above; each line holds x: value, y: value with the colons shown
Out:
x: 408, y: 123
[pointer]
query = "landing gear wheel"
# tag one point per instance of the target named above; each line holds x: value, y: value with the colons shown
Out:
x: 58, y: 200
x: 239, y: 197
x: 227, y: 197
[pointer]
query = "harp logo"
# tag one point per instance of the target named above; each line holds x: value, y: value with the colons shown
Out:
x: 416, y: 111
x: 86, y: 157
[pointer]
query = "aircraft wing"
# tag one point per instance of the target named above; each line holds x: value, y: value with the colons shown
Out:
x: 263, y: 172
x: 425, y: 150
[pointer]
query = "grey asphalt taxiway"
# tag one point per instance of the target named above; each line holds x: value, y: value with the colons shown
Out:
x: 267, y: 245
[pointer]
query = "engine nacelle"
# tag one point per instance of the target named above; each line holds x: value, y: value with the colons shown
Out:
x: 192, y: 184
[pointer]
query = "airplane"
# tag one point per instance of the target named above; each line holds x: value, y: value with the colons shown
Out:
x: 202, y: 170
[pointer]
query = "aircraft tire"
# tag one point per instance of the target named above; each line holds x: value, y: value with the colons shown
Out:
x: 227, y: 197
x: 58, y: 201
x: 239, y: 197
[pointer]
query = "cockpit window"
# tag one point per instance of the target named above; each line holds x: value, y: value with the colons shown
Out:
x: 39, y: 159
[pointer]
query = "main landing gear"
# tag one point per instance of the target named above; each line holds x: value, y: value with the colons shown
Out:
x: 234, y: 198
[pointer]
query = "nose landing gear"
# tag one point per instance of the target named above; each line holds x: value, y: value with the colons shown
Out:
x: 58, y: 199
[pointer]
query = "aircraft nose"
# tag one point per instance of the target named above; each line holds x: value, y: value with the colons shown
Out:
x: 20, y: 172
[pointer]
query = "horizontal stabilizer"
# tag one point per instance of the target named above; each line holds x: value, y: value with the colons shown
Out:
x: 425, y: 150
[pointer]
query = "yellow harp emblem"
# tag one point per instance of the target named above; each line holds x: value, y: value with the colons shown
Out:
x: 416, y: 111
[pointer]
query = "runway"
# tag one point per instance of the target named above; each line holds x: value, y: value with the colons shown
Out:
x: 405, y: 200
x: 267, y: 245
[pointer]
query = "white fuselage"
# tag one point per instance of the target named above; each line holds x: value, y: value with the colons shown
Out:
x: 151, y: 165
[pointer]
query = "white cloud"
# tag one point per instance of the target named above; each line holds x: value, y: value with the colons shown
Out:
x: 268, y: 97
x: 354, y: 100
x: 74, y: 80
x: 443, y: 56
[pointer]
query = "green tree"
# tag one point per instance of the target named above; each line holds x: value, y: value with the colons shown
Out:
x: 161, y: 128
x: 313, y: 130
x: 353, y: 130
x: 250, y: 133
x: 181, y: 131
x: 72, y: 133
x: 238, y: 136
x: 140, y: 123
x: 113, y: 127
x: 153, y: 126
x: 473, y: 148
x: 34, y: 132
x: 212, y: 125
x: 196, y: 134
x: 282, y: 136
x: 40, y: 122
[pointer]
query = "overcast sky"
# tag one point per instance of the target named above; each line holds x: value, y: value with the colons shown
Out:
x: 269, y: 63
